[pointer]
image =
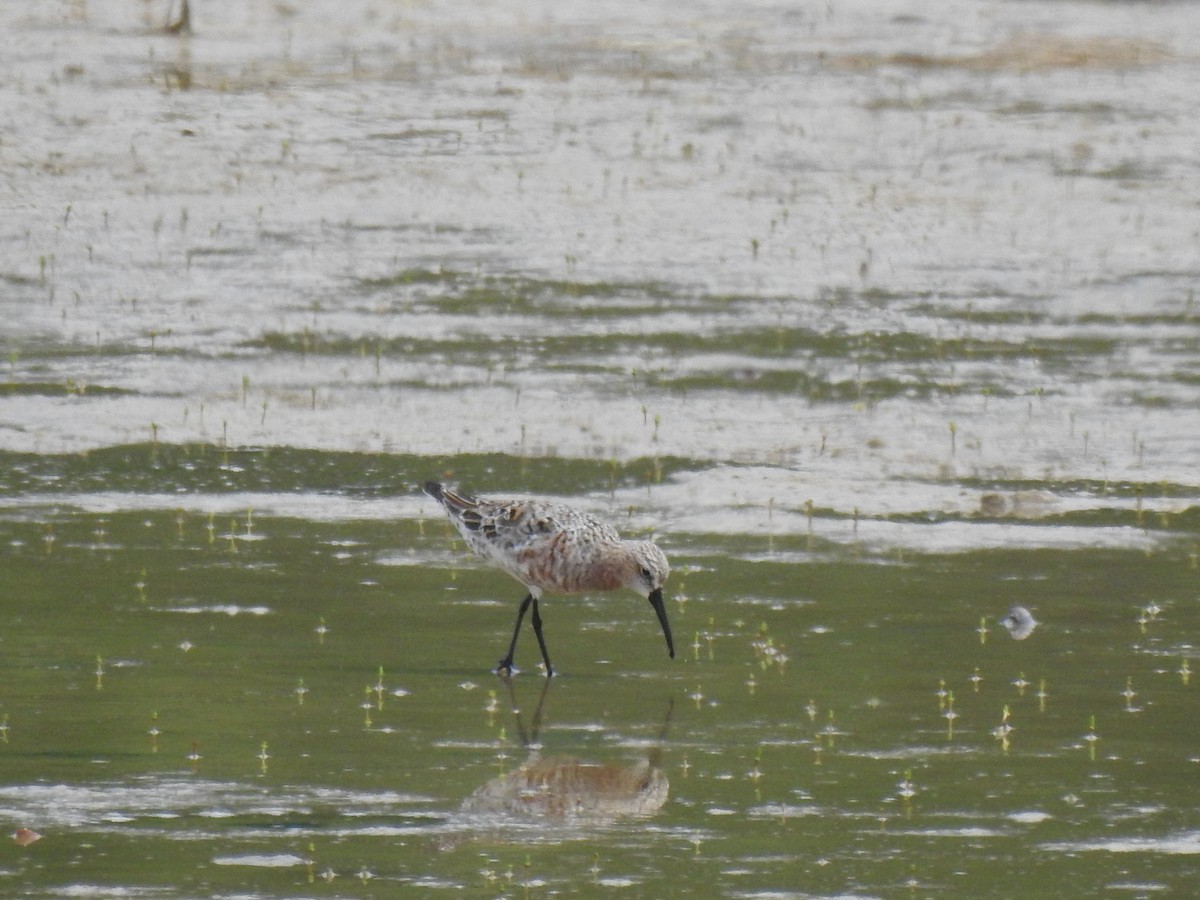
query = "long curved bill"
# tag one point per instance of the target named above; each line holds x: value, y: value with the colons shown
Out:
x: 656, y: 600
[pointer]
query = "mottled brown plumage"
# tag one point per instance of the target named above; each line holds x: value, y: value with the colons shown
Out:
x: 554, y: 548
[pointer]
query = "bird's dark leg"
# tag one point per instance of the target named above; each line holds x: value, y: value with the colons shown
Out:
x: 505, y: 666
x: 537, y: 629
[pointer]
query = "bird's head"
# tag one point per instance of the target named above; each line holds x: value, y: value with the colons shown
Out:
x: 651, y: 568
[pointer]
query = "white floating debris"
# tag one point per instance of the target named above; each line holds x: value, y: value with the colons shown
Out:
x: 262, y: 860
x: 1019, y: 622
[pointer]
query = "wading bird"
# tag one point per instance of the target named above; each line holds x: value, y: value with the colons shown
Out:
x: 550, y: 547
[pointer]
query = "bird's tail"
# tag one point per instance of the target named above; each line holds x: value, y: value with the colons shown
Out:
x: 455, y: 504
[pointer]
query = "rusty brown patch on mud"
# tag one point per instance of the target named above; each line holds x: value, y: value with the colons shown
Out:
x: 1026, y: 53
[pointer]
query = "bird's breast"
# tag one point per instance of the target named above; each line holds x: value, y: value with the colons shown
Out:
x: 560, y: 565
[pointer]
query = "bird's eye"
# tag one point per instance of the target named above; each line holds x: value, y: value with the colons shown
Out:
x: 647, y: 574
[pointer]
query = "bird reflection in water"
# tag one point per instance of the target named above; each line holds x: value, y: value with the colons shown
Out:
x: 566, y: 788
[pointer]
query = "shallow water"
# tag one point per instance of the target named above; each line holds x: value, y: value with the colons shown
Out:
x: 881, y: 320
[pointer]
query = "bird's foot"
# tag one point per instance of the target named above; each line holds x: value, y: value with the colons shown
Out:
x: 505, y: 669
